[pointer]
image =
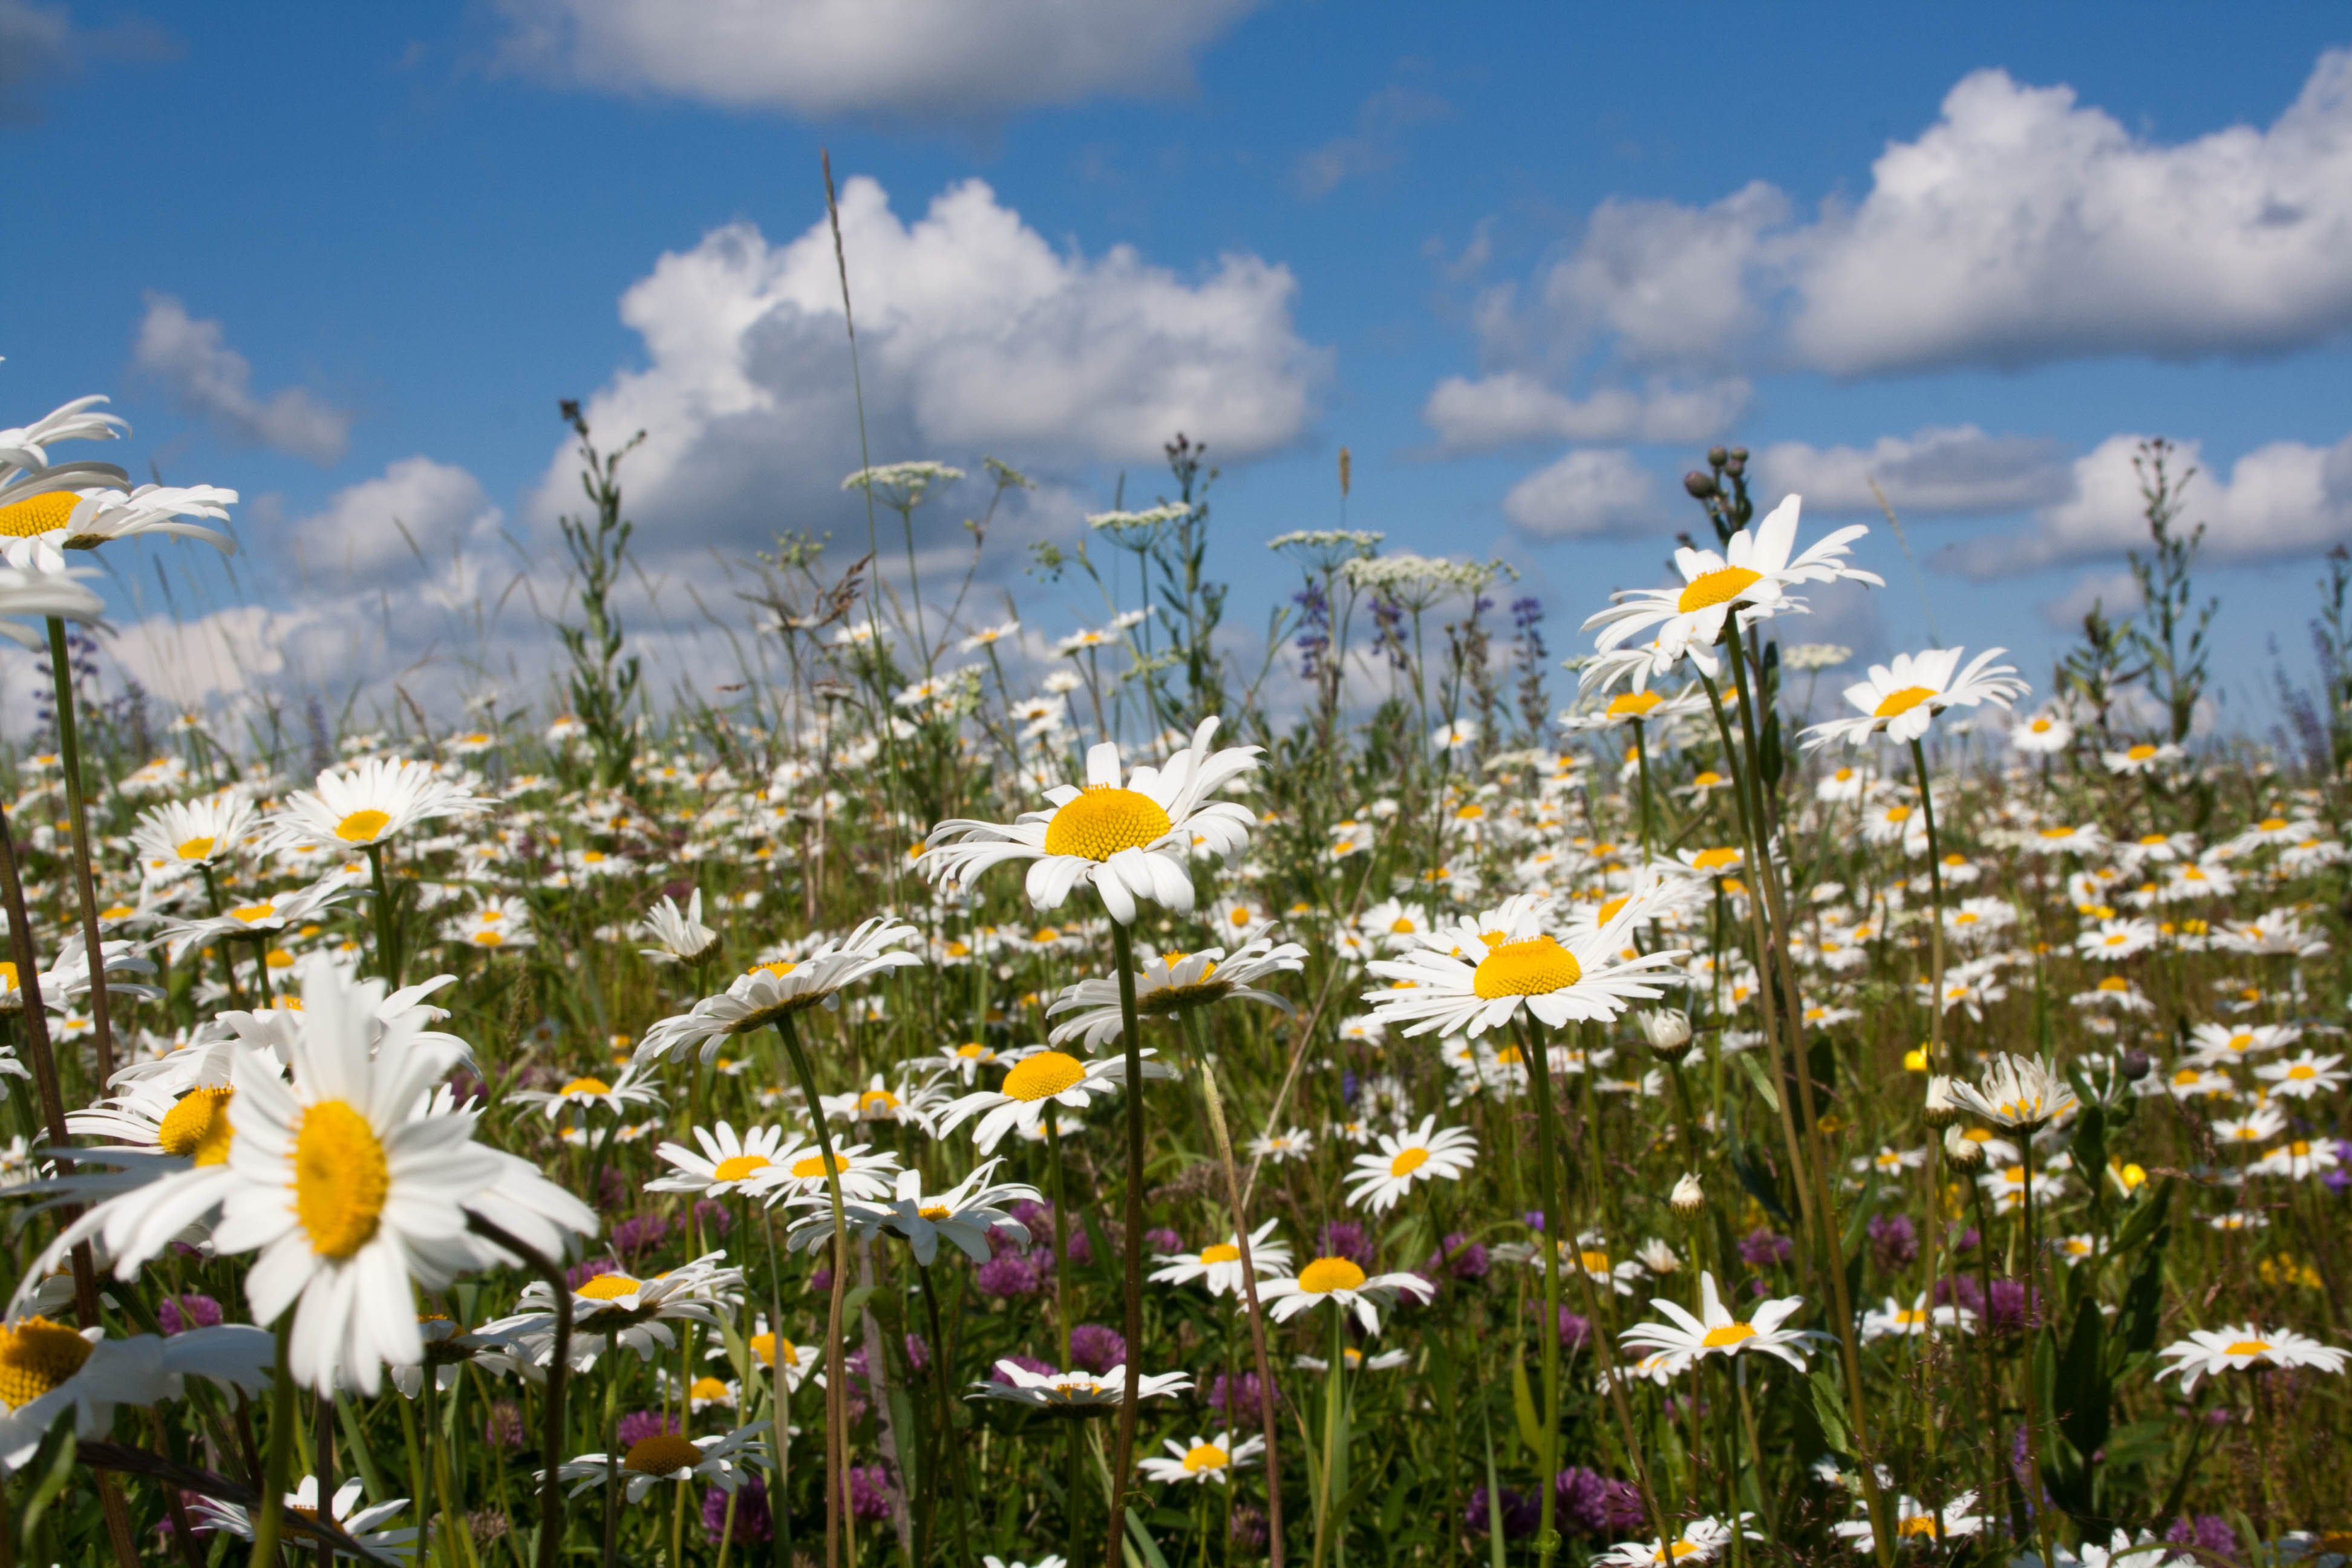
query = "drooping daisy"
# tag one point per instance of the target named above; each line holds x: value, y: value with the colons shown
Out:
x: 1129, y: 839
x: 47, y: 1369
x: 1039, y: 1077
x: 1480, y: 974
x: 1714, y: 1332
x: 1902, y: 698
x: 370, y: 805
x: 779, y: 988
x: 1074, y: 1392
x: 726, y: 1163
x: 1173, y: 984
x: 1750, y: 579
x: 1202, y: 1459
x: 1346, y: 1286
x: 1423, y: 1154
x: 722, y: 1459
x: 2233, y: 1348
x: 1219, y: 1265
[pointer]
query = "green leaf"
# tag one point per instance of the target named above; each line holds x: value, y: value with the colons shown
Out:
x: 2082, y: 1394
x: 1761, y: 1079
x: 54, y: 1479
x: 1829, y: 1413
x: 1523, y: 1405
x: 1144, y: 1541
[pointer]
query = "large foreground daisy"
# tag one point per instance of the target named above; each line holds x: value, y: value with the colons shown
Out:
x: 1127, y: 835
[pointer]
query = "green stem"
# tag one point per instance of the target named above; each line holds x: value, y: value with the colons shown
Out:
x: 1123, y: 956
x: 1539, y: 1055
x: 837, y: 1443
x: 281, y: 1448
x: 387, y: 955
x: 101, y: 1016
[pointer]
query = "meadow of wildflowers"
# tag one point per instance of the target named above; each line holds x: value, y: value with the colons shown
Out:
x: 976, y: 1099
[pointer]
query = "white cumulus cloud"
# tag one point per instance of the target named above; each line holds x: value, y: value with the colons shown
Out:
x: 1596, y: 490
x: 1512, y: 407
x: 917, y: 58
x: 402, y: 523
x: 193, y: 360
x: 1953, y: 469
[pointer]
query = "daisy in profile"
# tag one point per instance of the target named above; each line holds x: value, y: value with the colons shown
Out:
x: 1481, y: 974
x: 1128, y: 836
x: 2207, y: 1352
x: 2143, y: 758
x: 1903, y: 697
x: 1750, y: 579
x: 1074, y: 1392
x: 1039, y: 1077
x: 1917, y: 1523
x: 183, y: 834
x: 1702, y: 1541
x: 864, y: 1173
x: 964, y: 1216
x: 722, y: 1460
x: 35, y: 597
x: 40, y: 529
x: 780, y: 988
x: 770, y: 1350
x: 370, y: 805
x: 1219, y: 1265
x: 618, y: 1308
x: 2016, y: 1092
x: 1714, y: 1332
x: 1341, y: 1283
x: 1914, y: 1320
x: 267, y: 915
x: 678, y: 935
x: 47, y: 1369
x: 363, y: 1525
x: 726, y: 1163
x: 1423, y: 1154
x: 1176, y: 983
x: 1202, y: 1459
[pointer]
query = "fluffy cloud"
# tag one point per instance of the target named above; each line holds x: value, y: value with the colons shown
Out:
x: 205, y: 376
x: 1944, y: 468
x: 2281, y: 500
x: 401, y: 524
x: 975, y: 335
x: 2020, y: 228
x: 1512, y: 407
x: 922, y: 59
x: 1593, y: 492
x: 2116, y: 594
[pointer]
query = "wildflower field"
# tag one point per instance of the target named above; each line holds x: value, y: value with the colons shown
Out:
x: 958, y: 1097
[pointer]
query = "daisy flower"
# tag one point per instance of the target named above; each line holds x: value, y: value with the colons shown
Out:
x: 41, y: 528
x: 2299, y: 1159
x: 1290, y: 1145
x: 722, y: 1460
x: 1481, y: 974
x: 342, y: 1512
x: 1074, y: 1392
x: 183, y: 834
x: 1750, y: 579
x: 47, y: 1369
x: 1916, y: 1522
x: 1128, y: 836
x: 2306, y: 1076
x: 369, y: 805
x: 2143, y: 758
x: 726, y: 1163
x: 2235, y: 1347
x: 1202, y: 1459
x: 766, y: 1346
x: 775, y: 990
x: 1702, y: 1541
x: 678, y: 935
x: 2043, y: 734
x: 1219, y: 1265
x: 964, y: 1215
x: 863, y: 1173
x: 2016, y: 1092
x: 1039, y: 1077
x: 267, y: 915
x: 1714, y: 1332
x: 1421, y: 1156
x: 1341, y: 1283
x: 588, y: 1093
x: 1175, y: 982
x: 1902, y: 698
x: 1911, y: 1321
x: 615, y: 1308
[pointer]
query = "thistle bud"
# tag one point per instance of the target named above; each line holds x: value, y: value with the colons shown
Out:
x: 1738, y: 463
x: 1964, y: 1151
x: 1688, y: 1196
x: 1717, y: 457
x: 1700, y: 483
x: 1940, y: 1110
x: 2136, y: 1065
x: 1668, y: 1030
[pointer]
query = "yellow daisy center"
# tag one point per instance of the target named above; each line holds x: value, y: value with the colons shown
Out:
x: 1719, y: 586
x: 1921, y: 1524
x: 1325, y: 1275
x: 2114, y: 982
x: 2273, y: 825
x: 739, y: 1166
x: 196, y: 848
x: 1632, y: 704
x: 36, y: 1354
x: 1408, y: 1161
x: 1902, y: 702
x: 251, y: 913
x: 663, y: 1454
x: 2248, y: 1347
x: 1103, y: 820
x: 1204, y: 1457
x: 2141, y: 753
x: 708, y: 1388
x: 875, y: 1099
x: 39, y: 514
x: 341, y: 1178
x: 1040, y: 1077
x: 361, y: 826
x: 814, y: 1165
x: 584, y: 1086
x: 198, y: 1127
x: 1727, y: 1335
x: 1711, y: 860
x: 1594, y: 1260
x: 1223, y: 1252
x: 764, y: 1346
x: 2302, y: 1072
x: 608, y: 1288
x: 1534, y: 967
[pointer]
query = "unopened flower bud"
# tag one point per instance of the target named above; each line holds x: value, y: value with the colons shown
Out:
x: 1700, y: 483
x: 1668, y: 1029
x: 1715, y: 456
x: 1688, y: 1196
x: 2136, y: 1065
x: 1738, y: 464
x: 1940, y: 1110
x: 1964, y: 1151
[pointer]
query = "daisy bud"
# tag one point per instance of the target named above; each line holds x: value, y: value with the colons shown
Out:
x: 1688, y: 1196
x: 1668, y: 1029
x: 1940, y: 1110
x: 1964, y: 1152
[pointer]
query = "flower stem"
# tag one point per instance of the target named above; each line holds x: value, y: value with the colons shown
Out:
x: 387, y: 955
x: 1123, y: 956
x: 836, y: 1380
x: 101, y: 1016
x: 1539, y: 1055
x: 281, y: 1449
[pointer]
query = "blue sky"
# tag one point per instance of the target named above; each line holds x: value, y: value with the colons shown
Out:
x: 345, y: 259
